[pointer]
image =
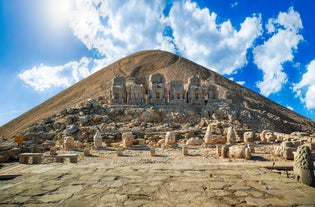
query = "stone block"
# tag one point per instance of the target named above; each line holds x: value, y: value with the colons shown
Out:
x: 152, y: 151
x: 185, y: 150
x: 194, y: 141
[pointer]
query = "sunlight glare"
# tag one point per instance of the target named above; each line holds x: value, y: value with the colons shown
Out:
x: 58, y: 12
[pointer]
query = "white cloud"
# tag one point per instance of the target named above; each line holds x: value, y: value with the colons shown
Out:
x: 118, y: 28
x: 277, y: 50
x: 114, y: 29
x: 289, y: 107
x: 219, y: 47
x: 44, y: 77
x: 240, y: 82
x: 234, y: 4
x: 305, y: 89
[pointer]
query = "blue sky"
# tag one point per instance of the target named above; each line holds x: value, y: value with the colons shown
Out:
x: 266, y: 45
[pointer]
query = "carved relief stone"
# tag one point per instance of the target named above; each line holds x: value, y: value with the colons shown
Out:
x: 136, y: 94
x: 194, y: 93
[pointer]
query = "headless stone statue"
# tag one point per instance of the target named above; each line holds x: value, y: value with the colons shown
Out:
x: 231, y: 137
x: 97, y: 139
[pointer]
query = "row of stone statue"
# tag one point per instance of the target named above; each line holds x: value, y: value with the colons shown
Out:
x: 157, y: 93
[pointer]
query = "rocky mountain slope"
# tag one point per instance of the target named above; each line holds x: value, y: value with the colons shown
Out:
x: 248, y: 107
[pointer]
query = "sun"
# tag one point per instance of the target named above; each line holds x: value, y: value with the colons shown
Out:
x: 58, y: 12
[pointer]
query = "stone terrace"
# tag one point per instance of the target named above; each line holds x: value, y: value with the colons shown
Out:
x: 137, y: 179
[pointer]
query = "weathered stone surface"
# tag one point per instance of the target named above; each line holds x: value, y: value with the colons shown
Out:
x: 285, y: 150
x: 303, y: 166
x: 194, y: 141
x: 118, y: 91
x: 231, y: 136
x: 98, y: 141
x: 93, y: 102
x: 167, y: 184
x: 68, y: 142
x: 249, y: 137
x: 86, y: 152
x: 157, y: 88
x: 71, y: 129
x: 127, y: 139
x: 53, y: 151
x: 170, y: 138
x: 267, y: 136
x: 236, y: 151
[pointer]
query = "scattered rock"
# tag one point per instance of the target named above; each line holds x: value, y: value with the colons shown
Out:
x: 71, y: 129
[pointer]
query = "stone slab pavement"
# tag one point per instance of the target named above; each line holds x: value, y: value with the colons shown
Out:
x: 150, y: 184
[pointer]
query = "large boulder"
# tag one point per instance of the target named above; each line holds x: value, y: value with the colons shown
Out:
x: 71, y: 129
x: 93, y: 102
x: 84, y: 120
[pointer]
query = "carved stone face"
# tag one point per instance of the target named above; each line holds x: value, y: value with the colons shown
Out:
x: 269, y: 136
x: 170, y: 138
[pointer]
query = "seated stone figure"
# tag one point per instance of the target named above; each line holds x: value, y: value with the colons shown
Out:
x: 118, y: 91
x: 194, y: 92
x: 177, y: 92
x: 157, y: 88
x: 136, y: 94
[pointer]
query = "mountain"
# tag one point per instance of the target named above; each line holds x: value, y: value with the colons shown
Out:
x: 250, y: 108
